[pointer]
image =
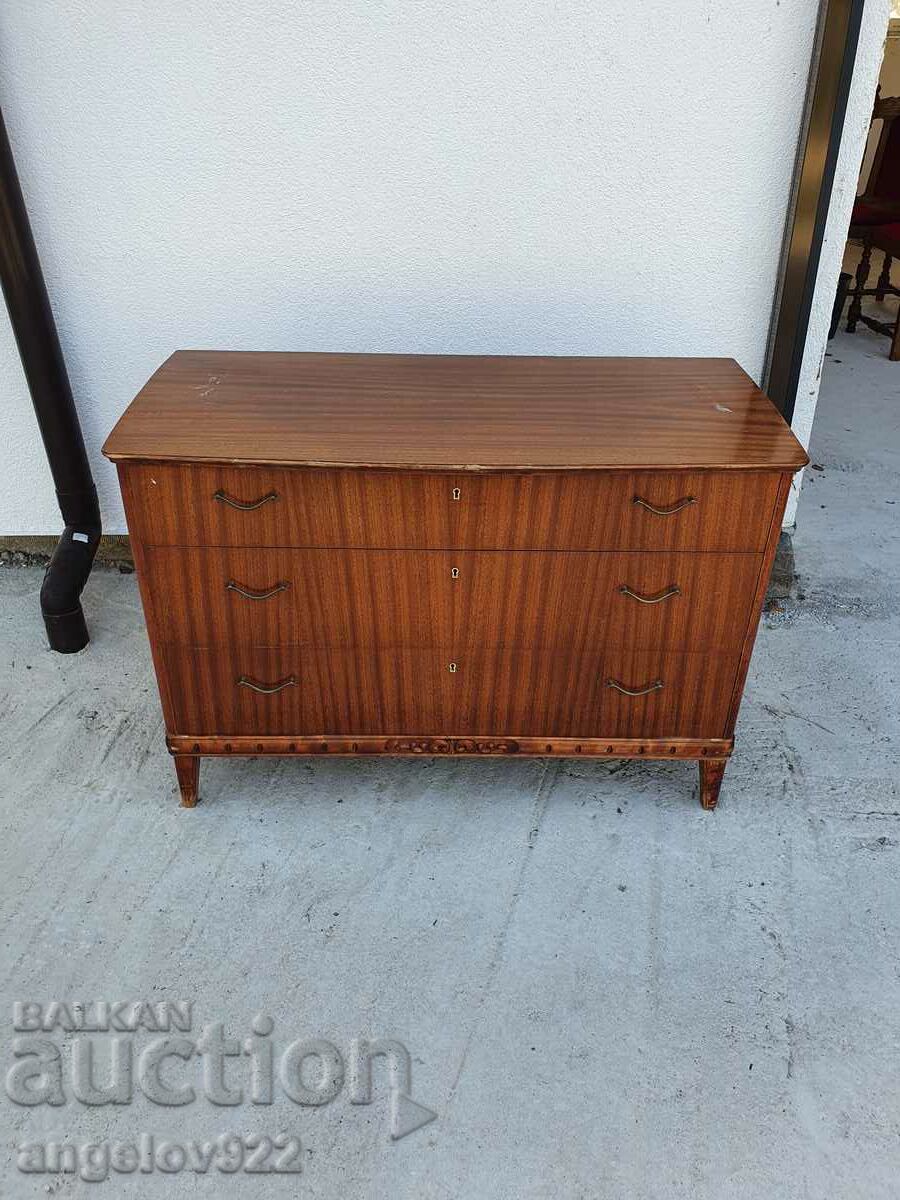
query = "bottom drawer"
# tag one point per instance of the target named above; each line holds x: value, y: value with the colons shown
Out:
x: 286, y: 690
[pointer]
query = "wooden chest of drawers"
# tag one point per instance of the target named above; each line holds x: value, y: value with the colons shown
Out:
x: 386, y: 554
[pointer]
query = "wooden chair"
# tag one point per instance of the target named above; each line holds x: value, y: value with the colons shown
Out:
x: 885, y: 238
x: 876, y: 215
x: 880, y: 202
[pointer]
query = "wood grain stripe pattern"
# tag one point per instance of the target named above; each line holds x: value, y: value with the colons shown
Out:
x: 408, y: 692
x: 170, y: 505
x: 563, y: 602
x: 455, y: 412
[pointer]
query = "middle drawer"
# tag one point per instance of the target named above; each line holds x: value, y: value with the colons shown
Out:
x: 569, y: 600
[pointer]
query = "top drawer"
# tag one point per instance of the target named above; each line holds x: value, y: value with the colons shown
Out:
x: 209, y: 505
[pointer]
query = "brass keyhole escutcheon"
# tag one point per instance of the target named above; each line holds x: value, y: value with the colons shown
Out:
x: 453, y: 668
x: 454, y: 572
x: 456, y: 493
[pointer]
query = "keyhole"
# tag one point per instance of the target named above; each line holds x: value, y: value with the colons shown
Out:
x: 453, y: 668
x: 454, y: 572
x: 456, y: 493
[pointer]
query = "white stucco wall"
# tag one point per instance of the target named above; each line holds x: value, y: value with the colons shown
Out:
x: 853, y: 142
x: 422, y: 175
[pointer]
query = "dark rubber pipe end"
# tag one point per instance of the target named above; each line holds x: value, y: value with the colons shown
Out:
x: 67, y: 633
x: 64, y: 579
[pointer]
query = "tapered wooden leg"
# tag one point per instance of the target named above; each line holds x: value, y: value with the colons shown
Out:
x: 862, y: 274
x: 711, y: 772
x: 187, y: 768
x: 884, y: 279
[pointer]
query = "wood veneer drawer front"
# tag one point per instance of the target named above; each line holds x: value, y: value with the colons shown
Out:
x: 330, y: 599
x: 188, y: 505
x: 283, y: 691
x: 289, y: 689
x: 563, y: 601
x: 207, y: 505
x: 510, y: 692
x: 577, y: 602
x: 652, y: 510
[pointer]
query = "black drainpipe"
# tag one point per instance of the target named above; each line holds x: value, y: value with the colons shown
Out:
x: 45, y: 371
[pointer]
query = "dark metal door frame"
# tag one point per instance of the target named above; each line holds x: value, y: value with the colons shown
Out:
x: 834, y: 58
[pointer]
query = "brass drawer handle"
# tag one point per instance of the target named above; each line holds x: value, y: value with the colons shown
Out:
x: 660, y: 596
x: 665, y: 512
x: 244, y: 506
x: 231, y: 586
x: 266, y: 689
x: 651, y: 687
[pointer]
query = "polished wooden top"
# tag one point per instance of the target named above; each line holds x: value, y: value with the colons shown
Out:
x: 410, y: 411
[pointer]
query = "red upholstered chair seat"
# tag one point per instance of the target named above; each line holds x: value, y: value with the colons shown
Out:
x: 865, y: 213
x: 887, y: 238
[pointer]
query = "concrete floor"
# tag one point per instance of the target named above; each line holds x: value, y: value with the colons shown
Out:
x: 605, y: 992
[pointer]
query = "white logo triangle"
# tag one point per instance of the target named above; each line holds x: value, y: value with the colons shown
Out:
x: 407, y: 1116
